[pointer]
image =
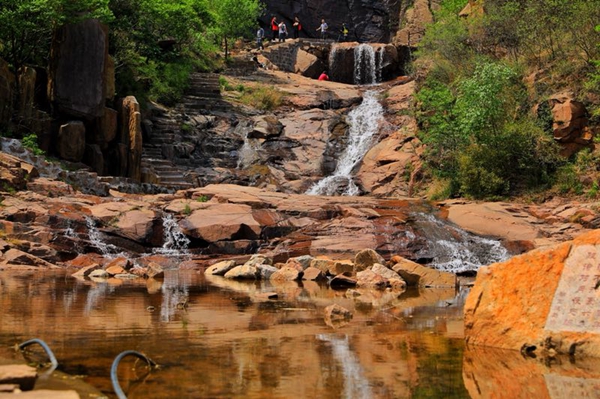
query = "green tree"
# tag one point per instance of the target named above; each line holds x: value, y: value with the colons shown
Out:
x: 236, y: 18
x: 26, y: 26
x: 156, y: 45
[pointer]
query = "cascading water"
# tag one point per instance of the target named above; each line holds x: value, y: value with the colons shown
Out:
x: 248, y: 154
x: 175, y: 242
x: 364, y: 123
x: 106, y: 249
x: 367, y: 64
x: 454, y: 250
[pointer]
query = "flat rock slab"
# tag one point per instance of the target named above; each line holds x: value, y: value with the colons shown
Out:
x: 20, y: 374
x: 494, y: 219
x: 42, y: 394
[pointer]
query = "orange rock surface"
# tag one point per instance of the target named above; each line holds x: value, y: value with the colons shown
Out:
x: 510, y: 304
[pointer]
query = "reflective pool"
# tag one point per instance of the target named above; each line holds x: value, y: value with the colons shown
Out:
x: 216, y: 338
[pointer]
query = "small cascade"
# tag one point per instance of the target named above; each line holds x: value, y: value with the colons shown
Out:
x: 95, y: 236
x: 455, y: 250
x: 175, y: 242
x: 367, y: 64
x: 248, y: 154
x: 364, y: 125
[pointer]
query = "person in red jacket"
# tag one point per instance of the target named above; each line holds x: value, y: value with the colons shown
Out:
x: 324, y: 76
x: 274, y: 28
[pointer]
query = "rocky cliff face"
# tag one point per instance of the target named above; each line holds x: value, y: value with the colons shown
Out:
x: 367, y: 20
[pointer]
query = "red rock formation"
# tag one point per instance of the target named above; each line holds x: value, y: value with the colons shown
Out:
x: 545, y: 299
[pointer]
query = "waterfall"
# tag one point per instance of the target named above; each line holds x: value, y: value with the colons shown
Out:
x: 364, y: 124
x: 454, y: 250
x: 248, y: 154
x: 175, y: 242
x: 367, y: 64
x: 95, y: 236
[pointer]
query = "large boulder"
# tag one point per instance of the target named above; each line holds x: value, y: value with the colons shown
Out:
x: 542, y: 301
x: 79, y: 50
x: 308, y: 64
x: 27, y: 78
x: 141, y: 225
x: 70, y: 143
x: 365, y: 259
x: 265, y: 126
x: 106, y: 128
x: 418, y: 275
x: 570, y: 123
x: 222, y: 222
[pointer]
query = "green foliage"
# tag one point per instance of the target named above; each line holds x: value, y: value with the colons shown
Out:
x: 30, y: 142
x: 186, y: 127
x: 474, y: 131
x: 187, y: 210
x: 236, y: 18
x: 8, y: 188
x: 262, y: 97
x: 473, y: 104
x: 202, y: 198
x: 26, y: 26
x: 157, y: 44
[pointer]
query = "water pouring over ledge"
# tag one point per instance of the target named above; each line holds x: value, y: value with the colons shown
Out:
x: 364, y: 125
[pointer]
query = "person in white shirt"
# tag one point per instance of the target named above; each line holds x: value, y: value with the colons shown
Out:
x: 323, y: 28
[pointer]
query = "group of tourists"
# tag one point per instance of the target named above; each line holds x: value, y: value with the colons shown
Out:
x: 279, y: 31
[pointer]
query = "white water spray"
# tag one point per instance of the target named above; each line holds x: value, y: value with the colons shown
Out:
x: 367, y: 64
x: 364, y: 125
x: 106, y: 249
x: 175, y: 242
x: 248, y: 154
x: 454, y: 250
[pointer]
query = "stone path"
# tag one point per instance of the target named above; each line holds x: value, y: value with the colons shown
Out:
x: 203, y: 97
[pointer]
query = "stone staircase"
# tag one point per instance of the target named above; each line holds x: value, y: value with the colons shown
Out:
x: 203, y: 95
x: 240, y: 67
x: 166, y: 131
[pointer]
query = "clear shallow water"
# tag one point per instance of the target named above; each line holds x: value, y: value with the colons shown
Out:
x: 224, y: 339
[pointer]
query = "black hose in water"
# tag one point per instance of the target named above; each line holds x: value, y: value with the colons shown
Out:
x: 49, y: 352
x: 115, y: 365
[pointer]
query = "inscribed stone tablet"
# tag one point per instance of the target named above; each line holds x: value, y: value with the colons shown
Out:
x: 560, y: 386
x: 576, y: 303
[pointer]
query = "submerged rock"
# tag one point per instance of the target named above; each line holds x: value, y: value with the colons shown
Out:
x: 220, y: 268
x: 336, y: 315
x: 418, y: 275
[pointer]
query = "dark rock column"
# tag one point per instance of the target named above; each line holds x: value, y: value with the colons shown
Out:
x: 130, y: 138
x: 7, y: 82
x: 78, y: 69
